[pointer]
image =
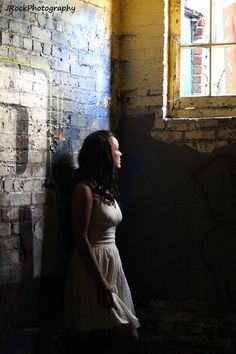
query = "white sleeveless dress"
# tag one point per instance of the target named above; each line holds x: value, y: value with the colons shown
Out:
x: 82, y: 308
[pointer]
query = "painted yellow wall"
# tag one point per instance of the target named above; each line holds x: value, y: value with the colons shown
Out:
x: 116, y: 28
x: 142, y: 43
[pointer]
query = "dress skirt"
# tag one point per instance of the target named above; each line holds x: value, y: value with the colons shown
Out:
x: 82, y: 308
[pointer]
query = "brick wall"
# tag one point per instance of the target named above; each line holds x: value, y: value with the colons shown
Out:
x: 55, y: 88
x: 177, y: 180
x: 199, y: 67
x: 177, y: 237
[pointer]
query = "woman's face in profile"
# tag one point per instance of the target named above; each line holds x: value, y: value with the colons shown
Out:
x: 116, y: 154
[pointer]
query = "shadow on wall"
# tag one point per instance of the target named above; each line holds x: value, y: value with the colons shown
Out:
x: 216, y: 179
x: 56, y: 248
x: 90, y: 112
x: 178, y: 235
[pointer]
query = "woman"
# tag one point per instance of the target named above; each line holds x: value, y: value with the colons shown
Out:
x: 97, y: 295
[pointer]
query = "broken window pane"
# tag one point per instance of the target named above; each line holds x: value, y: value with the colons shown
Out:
x: 195, y: 22
x: 224, y: 70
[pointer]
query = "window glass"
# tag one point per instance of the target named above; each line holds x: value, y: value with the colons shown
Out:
x: 208, y: 65
x: 202, y: 58
x: 198, y: 13
x: 224, y: 70
x: 195, y: 72
x: 224, y: 21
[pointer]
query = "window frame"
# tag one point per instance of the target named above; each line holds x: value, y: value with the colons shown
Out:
x: 192, y: 106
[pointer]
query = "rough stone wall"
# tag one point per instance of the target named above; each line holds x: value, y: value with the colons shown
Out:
x: 55, y: 81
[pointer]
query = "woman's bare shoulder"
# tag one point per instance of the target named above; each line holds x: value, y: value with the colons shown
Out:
x: 86, y: 187
x: 83, y: 186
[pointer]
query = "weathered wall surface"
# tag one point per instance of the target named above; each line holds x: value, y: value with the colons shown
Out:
x: 55, y: 81
x: 144, y: 56
x: 178, y: 178
x: 142, y: 43
x: 178, y: 188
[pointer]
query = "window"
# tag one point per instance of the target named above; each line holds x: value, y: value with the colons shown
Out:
x: 202, y: 58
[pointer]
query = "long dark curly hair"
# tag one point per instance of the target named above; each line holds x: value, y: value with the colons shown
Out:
x: 96, y: 163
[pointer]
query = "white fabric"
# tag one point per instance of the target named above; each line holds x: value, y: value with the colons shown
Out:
x: 82, y: 308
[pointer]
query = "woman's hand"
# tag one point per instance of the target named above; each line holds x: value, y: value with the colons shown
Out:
x: 105, y: 296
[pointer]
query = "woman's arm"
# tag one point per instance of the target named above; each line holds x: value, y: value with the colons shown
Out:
x: 81, y: 208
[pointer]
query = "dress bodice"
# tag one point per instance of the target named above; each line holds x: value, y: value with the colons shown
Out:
x: 104, y: 220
